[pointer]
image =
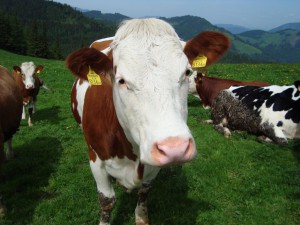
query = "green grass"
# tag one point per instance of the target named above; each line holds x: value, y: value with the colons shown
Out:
x: 231, y: 181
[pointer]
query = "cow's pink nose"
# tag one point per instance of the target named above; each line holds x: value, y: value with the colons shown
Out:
x: 29, y: 86
x: 173, y: 150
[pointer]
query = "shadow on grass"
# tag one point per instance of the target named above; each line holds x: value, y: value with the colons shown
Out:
x: 168, y: 202
x: 26, y: 176
x: 194, y: 102
x: 47, y: 114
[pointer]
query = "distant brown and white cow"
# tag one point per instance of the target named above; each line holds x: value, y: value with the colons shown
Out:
x: 133, y: 109
x: 209, y: 87
x: 29, y: 83
x: 10, y: 115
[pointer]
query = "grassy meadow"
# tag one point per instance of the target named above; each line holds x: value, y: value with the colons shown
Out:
x: 231, y: 181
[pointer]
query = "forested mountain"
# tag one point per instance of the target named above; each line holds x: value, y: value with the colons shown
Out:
x: 46, y: 28
x: 234, y: 29
x: 281, y: 46
x: 52, y: 30
x: 115, y: 18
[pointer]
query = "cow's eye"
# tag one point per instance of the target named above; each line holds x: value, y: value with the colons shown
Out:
x: 121, y: 81
x: 188, y: 72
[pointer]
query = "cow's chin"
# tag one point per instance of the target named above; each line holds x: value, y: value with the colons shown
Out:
x: 171, y: 151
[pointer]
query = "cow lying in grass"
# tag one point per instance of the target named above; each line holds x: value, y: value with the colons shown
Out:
x: 133, y: 108
x: 272, y: 111
x: 209, y: 87
x: 29, y: 83
x: 10, y: 115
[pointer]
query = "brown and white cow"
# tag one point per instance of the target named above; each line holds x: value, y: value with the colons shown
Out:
x: 133, y: 109
x: 209, y: 87
x: 10, y: 115
x: 29, y: 83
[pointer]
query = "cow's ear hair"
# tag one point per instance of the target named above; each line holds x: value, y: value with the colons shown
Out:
x: 17, y: 69
x: 209, y: 44
x: 39, y: 69
x: 81, y: 60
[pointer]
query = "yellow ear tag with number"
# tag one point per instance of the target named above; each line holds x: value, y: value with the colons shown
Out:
x: 93, y: 77
x: 199, y: 61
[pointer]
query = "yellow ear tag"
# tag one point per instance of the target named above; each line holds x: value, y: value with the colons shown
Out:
x: 93, y: 77
x: 199, y: 61
x: 299, y: 88
x: 38, y: 71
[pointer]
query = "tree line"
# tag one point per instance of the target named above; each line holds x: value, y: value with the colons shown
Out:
x: 47, y: 29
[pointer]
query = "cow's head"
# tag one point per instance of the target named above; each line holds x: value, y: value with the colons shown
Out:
x: 150, y: 88
x: 28, y: 72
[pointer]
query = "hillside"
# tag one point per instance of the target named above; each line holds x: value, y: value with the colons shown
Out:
x: 234, y: 29
x: 109, y: 17
x: 282, y: 46
x: 293, y: 26
x: 54, y: 26
x: 53, y: 30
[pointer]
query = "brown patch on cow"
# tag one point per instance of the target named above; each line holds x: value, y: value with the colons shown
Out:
x: 100, y: 124
x: 11, y: 108
x: 210, y: 44
x: 92, y: 155
x: 209, y: 87
x: 80, y: 61
x: 140, y: 171
x: 74, y: 103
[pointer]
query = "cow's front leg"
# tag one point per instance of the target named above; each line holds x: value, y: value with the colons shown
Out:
x: 33, y: 107
x: 9, y: 151
x: 30, y: 111
x: 23, y: 112
x: 2, y: 208
x: 141, y: 211
x: 104, y: 187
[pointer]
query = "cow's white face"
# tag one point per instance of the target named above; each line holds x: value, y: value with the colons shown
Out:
x: 28, y: 70
x: 150, y: 92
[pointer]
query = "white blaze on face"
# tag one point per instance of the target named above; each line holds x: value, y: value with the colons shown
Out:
x: 28, y: 70
x: 150, y: 92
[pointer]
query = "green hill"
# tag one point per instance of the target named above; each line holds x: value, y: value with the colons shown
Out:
x: 52, y: 30
x: 281, y: 46
x: 47, y: 29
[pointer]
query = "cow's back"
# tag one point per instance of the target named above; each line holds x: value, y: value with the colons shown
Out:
x: 209, y: 87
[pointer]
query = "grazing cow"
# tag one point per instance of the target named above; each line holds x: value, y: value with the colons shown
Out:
x: 272, y: 111
x: 10, y: 115
x: 133, y: 110
x: 29, y: 83
x: 209, y: 87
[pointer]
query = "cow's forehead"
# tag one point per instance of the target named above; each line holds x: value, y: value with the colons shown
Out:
x: 28, y: 68
x: 149, y: 49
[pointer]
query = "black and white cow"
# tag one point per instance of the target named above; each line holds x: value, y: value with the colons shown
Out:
x: 272, y: 111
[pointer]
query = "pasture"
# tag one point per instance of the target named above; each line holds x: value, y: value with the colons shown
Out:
x: 231, y: 181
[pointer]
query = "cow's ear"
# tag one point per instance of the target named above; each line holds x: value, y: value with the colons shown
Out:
x: 17, y: 69
x: 39, y: 69
x: 84, y: 60
x: 206, y: 48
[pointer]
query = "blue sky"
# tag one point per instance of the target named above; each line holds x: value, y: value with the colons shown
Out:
x: 254, y: 14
